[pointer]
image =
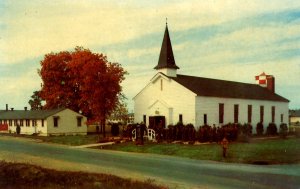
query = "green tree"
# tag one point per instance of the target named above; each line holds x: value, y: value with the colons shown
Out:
x: 36, y: 101
x: 120, y: 112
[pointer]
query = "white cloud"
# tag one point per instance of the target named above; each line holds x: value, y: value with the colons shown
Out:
x: 16, y: 91
x: 34, y: 28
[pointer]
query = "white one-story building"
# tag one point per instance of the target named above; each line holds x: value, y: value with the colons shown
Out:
x: 62, y: 121
x: 295, y: 117
x: 170, y: 98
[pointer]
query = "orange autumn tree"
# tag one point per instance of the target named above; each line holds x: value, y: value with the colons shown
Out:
x: 82, y: 81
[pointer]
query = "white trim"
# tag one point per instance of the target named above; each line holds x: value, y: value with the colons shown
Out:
x: 159, y: 101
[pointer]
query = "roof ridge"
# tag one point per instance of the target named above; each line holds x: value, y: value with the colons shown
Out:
x: 217, y: 79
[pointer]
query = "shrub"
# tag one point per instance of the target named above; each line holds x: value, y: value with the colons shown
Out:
x: 178, y: 130
x: 115, y: 129
x: 259, y: 129
x: 283, y: 130
x: 272, y: 129
x: 191, y: 132
x: 248, y: 129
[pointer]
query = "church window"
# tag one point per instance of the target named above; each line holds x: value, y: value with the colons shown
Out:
x: 281, y: 118
x: 249, y: 113
x: 161, y: 84
x: 236, y: 113
x: 261, y: 114
x: 273, y: 114
x: 205, y: 119
x: 221, y: 113
x: 180, y: 118
x: 144, y: 119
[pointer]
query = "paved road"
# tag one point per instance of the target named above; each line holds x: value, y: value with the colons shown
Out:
x: 174, y: 171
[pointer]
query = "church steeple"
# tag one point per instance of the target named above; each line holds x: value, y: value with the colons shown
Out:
x: 166, y: 62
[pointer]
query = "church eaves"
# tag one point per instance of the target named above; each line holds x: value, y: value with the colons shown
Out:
x: 166, y: 57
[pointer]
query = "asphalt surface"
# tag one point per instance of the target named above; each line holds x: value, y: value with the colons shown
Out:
x: 175, y: 172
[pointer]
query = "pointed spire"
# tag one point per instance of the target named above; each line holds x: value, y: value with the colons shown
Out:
x: 166, y: 57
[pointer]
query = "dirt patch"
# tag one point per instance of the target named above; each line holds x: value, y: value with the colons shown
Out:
x: 25, y: 176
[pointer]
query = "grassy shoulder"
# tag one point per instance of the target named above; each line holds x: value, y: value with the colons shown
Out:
x: 23, y: 176
x: 72, y: 140
x: 270, y: 151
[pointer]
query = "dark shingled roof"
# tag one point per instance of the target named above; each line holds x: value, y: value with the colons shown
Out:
x: 166, y: 57
x: 29, y: 114
x: 226, y: 89
x: 294, y: 113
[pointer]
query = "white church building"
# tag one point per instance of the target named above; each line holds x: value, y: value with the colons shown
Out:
x: 170, y: 98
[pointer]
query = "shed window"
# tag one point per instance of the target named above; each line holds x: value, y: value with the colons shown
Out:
x: 21, y: 122
x: 27, y: 122
x: 42, y: 123
x: 79, y: 120
x: 34, y: 123
x: 55, y: 121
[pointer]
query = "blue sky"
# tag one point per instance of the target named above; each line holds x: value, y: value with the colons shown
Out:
x: 230, y: 40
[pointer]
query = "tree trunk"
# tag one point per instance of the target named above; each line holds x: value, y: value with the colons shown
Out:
x: 103, y: 126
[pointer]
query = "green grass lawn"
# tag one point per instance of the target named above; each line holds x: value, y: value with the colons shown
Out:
x: 275, y: 151
x: 270, y: 151
x: 72, y: 140
x: 67, y: 140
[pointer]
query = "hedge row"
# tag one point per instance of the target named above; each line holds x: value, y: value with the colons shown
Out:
x: 208, y: 133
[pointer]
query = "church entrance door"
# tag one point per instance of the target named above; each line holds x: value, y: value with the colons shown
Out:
x: 157, y: 122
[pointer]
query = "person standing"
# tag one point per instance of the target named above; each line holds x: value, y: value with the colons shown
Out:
x: 224, y: 144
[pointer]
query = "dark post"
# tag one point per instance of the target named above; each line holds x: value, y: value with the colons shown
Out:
x: 18, y: 129
x: 224, y: 144
x: 138, y: 134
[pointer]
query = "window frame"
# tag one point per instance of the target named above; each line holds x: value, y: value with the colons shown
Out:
x: 236, y: 113
x: 79, y: 121
x: 221, y: 113
x: 249, y: 113
x: 55, y: 121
